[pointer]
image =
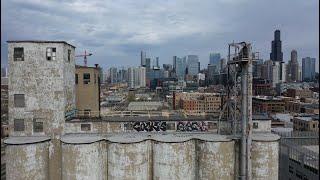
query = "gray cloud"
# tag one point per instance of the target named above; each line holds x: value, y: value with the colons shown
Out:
x: 116, y: 31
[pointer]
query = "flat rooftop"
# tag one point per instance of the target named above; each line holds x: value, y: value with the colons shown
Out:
x: 125, y: 137
x: 38, y: 41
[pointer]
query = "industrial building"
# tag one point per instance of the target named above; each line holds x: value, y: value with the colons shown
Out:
x: 87, y: 82
x: 48, y: 140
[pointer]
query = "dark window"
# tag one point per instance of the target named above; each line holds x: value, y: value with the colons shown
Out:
x: 51, y: 54
x: 69, y: 55
x: 19, y: 100
x: 37, y: 125
x: 86, y: 112
x: 18, y: 125
x: 85, y: 127
x: 299, y: 174
x: 18, y: 54
x: 76, y: 78
x: 95, y: 76
x: 255, y: 125
x: 86, y: 78
x: 291, y: 169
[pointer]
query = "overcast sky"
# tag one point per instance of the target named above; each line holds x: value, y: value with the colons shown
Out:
x: 116, y: 31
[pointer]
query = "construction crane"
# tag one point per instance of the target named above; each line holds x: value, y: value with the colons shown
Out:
x: 84, y: 57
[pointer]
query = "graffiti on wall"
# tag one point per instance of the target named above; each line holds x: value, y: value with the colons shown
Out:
x: 192, y: 126
x: 150, y: 126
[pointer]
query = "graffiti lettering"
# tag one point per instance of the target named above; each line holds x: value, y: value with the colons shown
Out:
x: 150, y: 126
x: 192, y: 126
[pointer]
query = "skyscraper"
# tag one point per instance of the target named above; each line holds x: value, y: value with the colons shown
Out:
x: 147, y: 64
x: 214, y: 58
x: 276, y: 53
x: 293, y: 67
x: 308, y: 68
x: 180, y: 65
x: 193, y: 64
x: 143, y: 58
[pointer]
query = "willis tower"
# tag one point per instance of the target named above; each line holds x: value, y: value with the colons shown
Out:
x: 276, y: 55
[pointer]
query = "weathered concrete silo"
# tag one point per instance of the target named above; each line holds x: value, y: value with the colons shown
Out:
x: 216, y: 158
x: 265, y: 156
x: 83, y: 157
x: 27, y: 158
x: 174, y: 159
x: 129, y: 158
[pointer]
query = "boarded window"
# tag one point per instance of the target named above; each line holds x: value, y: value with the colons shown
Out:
x: 51, y: 54
x: 85, y: 127
x: 69, y: 55
x: 86, y: 78
x: 37, y: 125
x: 19, y: 100
x: 76, y: 79
x: 171, y: 126
x: 18, y: 54
x: 18, y: 124
x: 255, y: 125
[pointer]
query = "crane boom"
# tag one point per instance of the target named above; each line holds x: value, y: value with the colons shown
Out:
x: 84, y: 57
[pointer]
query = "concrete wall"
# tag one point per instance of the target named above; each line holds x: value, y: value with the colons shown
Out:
x: 130, y: 161
x: 48, y: 86
x: 142, y: 156
x: 49, y: 90
x: 84, y: 161
x: 87, y: 95
x: 28, y: 161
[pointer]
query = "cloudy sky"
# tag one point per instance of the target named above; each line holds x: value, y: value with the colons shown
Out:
x: 116, y: 31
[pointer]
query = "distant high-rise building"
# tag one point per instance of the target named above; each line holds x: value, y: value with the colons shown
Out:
x: 293, y: 68
x: 148, y: 64
x: 143, y: 58
x: 276, y: 73
x: 180, y: 67
x: 308, y: 68
x: 156, y: 64
x: 113, y: 75
x: 214, y: 58
x: 257, y: 68
x: 223, y: 64
x: 136, y: 77
x: 193, y: 64
x: 276, y: 53
x: 267, y: 70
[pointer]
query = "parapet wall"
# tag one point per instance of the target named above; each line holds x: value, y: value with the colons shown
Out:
x: 143, y: 156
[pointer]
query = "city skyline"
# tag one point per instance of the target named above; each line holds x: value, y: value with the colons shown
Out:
x: 164, y: 29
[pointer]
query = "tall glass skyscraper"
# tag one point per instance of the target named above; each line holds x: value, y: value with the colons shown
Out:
x: 214, y: 58
x: 180, y: 67
x: 193, y: 64
x: 308, y: 68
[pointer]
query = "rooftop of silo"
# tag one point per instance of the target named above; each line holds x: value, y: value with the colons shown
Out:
x: 135, y: 137
x: 38, y: 41
x: 170, y: 137
x: 26, y: 139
